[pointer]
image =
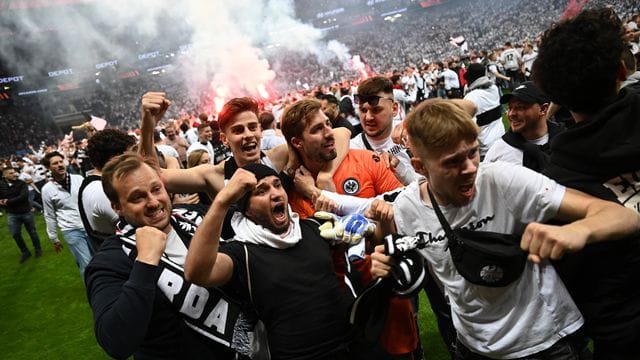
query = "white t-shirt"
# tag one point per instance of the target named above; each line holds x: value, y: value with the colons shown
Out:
x: 97, y: 206
x: 501, y: 151
x: 491, y: 71
x: 208, y: 147
x: 168, y: 150
x: 485, y: 100
x: 404, y: 171
x: 525, y: 317
x: 528, y: 60
x: 271, y: 139
x: 511, y: 59
x: 191, y: 135
x: 451, y: 80
x: 175, y: 249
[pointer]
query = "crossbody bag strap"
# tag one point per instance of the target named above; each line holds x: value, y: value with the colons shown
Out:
x: 365, y: 141
x: 451, y: 236
x: 443, y: 222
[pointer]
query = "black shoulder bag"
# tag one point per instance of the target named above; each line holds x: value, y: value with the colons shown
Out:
x: 482, y: 257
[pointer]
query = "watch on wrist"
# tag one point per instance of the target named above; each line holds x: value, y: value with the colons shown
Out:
x: 289, y: 171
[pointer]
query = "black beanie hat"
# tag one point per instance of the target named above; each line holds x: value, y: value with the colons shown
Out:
x: 260, y: 171
x: 474, y: 72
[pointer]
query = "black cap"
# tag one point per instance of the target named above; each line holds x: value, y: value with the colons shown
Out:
x: 260, y: 171
x: 526, y: 92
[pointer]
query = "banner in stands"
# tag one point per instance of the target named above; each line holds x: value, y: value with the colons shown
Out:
x: 11, y: 79
x: 106, y: 64
x: 62, y: 72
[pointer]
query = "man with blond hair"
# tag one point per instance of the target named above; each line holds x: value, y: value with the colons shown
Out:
x: 531, y: 316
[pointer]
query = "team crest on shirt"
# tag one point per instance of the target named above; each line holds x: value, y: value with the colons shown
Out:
x: 350, y: 186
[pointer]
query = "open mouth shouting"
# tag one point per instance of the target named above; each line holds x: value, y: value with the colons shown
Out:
x: 467, y: 190
x: 250, y: 147
x: 280, y: 214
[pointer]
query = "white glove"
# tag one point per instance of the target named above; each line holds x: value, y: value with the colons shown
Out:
x: 349, y: 229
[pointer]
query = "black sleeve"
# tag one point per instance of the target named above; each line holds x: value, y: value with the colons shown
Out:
x: 237, y: 285
x: 3, y: 189
x: 121, y: 296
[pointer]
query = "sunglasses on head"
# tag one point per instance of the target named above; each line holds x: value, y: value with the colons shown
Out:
x: 372, y: 100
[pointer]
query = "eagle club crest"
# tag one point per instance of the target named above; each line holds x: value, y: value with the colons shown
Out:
x: 350, y: 186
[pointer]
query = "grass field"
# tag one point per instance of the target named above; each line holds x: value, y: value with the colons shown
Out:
x: 44, y: 311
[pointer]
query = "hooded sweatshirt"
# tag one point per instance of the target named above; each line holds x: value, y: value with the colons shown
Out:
x: 601, y: 156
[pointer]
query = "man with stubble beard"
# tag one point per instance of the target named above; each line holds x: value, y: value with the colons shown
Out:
x: 60, y: 202
x: 362, y: 174
x: 241, y: 132
x: 301, y: 304
x: 142, y: 304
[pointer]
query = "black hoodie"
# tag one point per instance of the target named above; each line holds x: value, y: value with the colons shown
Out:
x: 603, y: 278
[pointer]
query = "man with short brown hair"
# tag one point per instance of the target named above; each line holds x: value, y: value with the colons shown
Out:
x: 60, y: 203
x: 205, y: 134
x: 14, y: 196
x: 142, y: 305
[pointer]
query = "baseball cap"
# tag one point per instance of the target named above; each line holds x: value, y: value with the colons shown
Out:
x: 526, y: 92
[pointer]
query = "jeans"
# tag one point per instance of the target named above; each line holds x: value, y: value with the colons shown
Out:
x: 78, y: 242
x: 563, y: 349
x: 33, y: 202
x: 15, y: 221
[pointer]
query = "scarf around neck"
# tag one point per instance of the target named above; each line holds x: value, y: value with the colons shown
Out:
x: 481, y: 82
x: 251, y: 233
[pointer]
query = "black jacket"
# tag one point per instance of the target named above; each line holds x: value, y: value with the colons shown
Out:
x: 17, y: 196
x: 132, y: 316
x: 601, y: 156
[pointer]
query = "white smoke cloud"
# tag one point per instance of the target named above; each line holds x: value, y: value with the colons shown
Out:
x: 226, y: 38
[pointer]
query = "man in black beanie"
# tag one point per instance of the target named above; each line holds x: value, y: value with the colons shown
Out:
x: 278, y: 266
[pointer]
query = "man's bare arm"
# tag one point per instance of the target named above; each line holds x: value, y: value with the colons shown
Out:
x: 152, y: 109
x: 204, y: 265
x: 591, y: 220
